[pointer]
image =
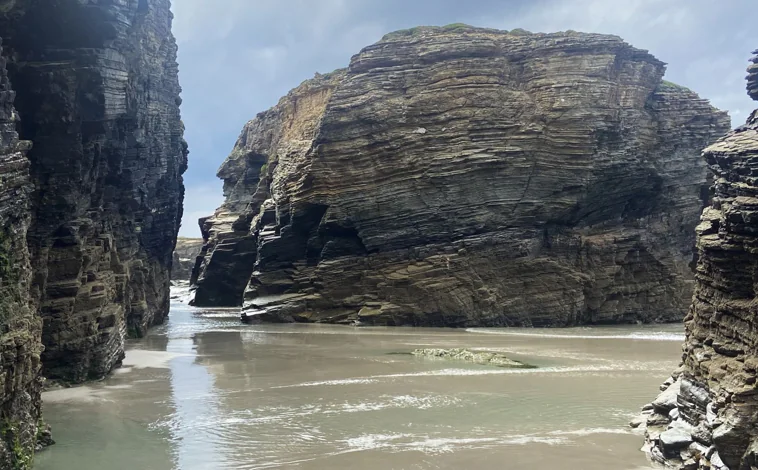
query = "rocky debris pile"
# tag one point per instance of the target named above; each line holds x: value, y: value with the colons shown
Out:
x: 485, y: 358
x: 185, y: 256
x: 458, y: 176
x: 707, y: 418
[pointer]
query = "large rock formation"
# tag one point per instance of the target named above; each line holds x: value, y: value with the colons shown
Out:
x: 229, y: 255
x: 98, y: 95
x: 185, y: 255
x: 90, y: 199
x: 460, y: 176
x: 707, y: 416
x: 20, y: 327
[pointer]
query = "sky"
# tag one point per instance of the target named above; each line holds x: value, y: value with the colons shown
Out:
x: 238, y: 57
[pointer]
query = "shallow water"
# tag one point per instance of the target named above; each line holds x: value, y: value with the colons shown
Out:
x: 205, y: 392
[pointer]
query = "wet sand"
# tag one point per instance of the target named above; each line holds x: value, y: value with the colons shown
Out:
x: 205, y: 392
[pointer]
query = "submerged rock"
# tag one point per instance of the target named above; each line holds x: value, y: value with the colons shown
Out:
x: 718, y: 398
x: 476, y: 357
x: 464, y: 176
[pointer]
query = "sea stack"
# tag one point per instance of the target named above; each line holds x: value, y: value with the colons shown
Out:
x: 458, y: 176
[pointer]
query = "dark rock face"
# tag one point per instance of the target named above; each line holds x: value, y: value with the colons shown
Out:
x: 715, y: 395
x: 185, y: 256
x: 460, y: 176
x: 98, y: 95
x: 90, y: 199
x: 20, y: 327
x: 228, y: 258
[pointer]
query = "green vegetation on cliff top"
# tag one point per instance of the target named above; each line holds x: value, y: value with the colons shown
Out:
x: 669, y: 86
x: 453, y: 27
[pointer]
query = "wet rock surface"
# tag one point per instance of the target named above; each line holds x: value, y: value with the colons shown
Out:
x: 459, y: 177
x: 715, y: 396
x: 486, y: 358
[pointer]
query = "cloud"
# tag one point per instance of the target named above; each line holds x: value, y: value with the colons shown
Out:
x: 705, y: 45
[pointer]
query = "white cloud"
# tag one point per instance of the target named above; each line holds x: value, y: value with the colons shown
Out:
x: 695, y: 37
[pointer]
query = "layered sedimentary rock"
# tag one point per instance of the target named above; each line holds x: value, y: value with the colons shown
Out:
x: 707, y: 415
x: 20, y: 327
x: 460, y: 176
x: 98, y: 96
x: 229, y: 255
x: 185, y: 256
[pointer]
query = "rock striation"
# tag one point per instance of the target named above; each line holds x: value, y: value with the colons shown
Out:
x: 229, y: 255
x: 456, y: 176
x: 98, y: 95
x: 185, y: 256
x: 20, y: 327
x: 91, y: 163
x: 707, y: 415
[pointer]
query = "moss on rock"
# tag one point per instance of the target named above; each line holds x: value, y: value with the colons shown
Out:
x: 487, y: 358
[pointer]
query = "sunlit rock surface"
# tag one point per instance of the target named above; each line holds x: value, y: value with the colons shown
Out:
x: 185, y: 255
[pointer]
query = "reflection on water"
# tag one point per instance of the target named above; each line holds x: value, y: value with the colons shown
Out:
x: 204, y: 392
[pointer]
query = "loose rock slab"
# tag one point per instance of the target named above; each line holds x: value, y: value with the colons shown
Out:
x: 476, y: 357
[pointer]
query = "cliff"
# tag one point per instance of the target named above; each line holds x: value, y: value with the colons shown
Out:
x: 91, y: 193
x: 229, y: 255
x: 185, y: 255
x: 706, y: 417
x: 98, y: 95
x: 20, y: 327
x: 459, y: 176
